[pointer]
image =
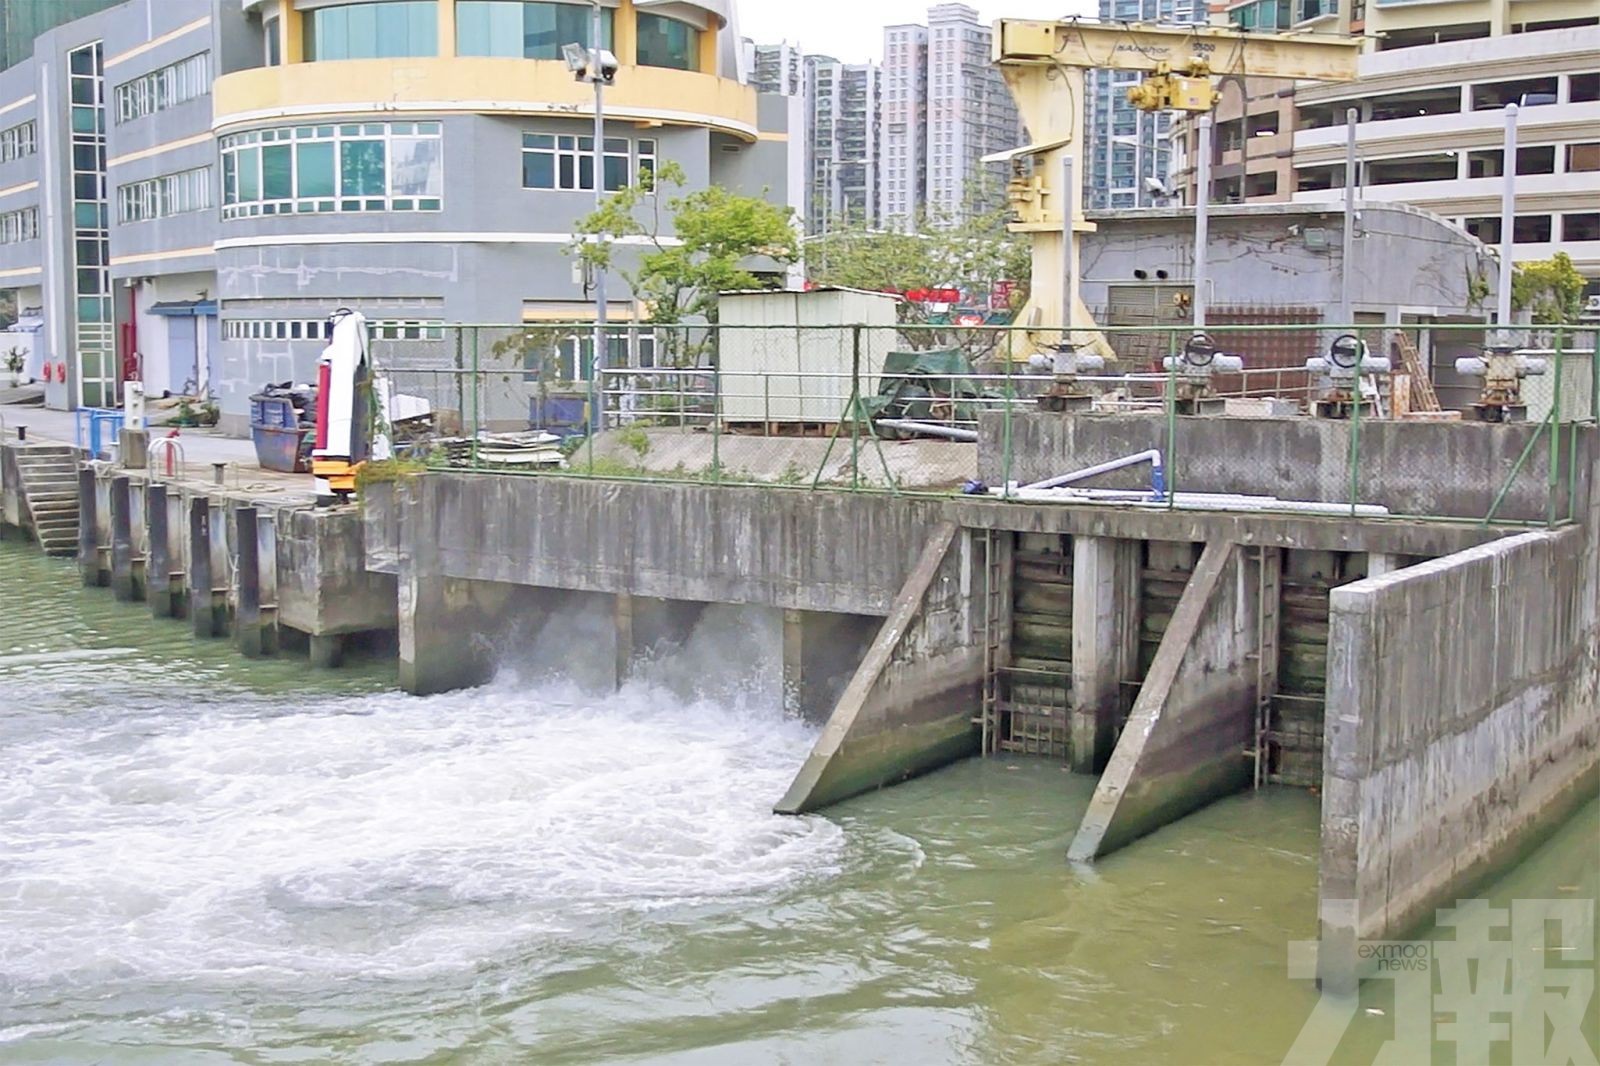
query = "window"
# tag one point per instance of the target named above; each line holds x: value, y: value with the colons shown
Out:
x: 1530, y: 229
x: 512, y: 28
x: 1581, y: 227
x: 1583, y: 157
x: 566, y: 161
x: 18, y: 226
x: 18, y: 141
x: 664, y: 42
x: 273, y: 43
x: 316, y: 329
x: 372, y: 166
x: 171, y: 194
x: 169, y: 86
x: 372, y: 31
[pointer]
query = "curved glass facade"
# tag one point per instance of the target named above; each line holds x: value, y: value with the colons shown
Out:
x: 369, y: 166
x: 385, y: 30
x: 527, y: 30
x: 664, y: 42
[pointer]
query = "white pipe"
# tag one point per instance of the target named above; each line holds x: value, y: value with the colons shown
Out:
x: 1193, y: 501
x: 1508, y: 219
x: 1153, y: 457
x: 931, y: 429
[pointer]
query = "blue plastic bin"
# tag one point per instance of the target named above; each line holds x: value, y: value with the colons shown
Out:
x: 282, y: 444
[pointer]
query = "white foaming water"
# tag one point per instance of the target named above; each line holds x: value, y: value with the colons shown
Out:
x: 385, y: 835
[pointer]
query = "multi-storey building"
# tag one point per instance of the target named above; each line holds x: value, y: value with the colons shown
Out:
x: 944, y: 108
x: 842, y: 137
x: 903, y: 124
x: 776, y: 68
x: 1129, y: 151
x: 1430, y: 104
x: 189, y: 187
x: 970, y: 115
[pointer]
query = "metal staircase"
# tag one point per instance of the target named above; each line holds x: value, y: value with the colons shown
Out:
x: 1028, y: 652
x: 49, y: 480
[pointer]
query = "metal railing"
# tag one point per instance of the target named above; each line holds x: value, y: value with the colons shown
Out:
x: 874, y: 408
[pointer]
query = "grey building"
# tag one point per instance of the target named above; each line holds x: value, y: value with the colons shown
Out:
x: 842, y: 120
x: 945, y: 107
x: 903, y: 123
x: 203, y: 181
x: 1129, y: 152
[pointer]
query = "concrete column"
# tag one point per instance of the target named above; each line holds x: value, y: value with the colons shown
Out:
x: 1380, y: 563
x: 88, y: 529
x: 202, y: 596
x: 1105, y: 642
x: 327, y: 650
x: 648, y: 627
x: 158, y: 565
x: 133, y: 448
x: 247, y: 615
x: 821, y: 651
x: 121, y: 540
x: 443, y: 632
x: 267, y: 583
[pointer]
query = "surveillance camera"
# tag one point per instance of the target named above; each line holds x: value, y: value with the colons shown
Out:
x: 608, y: 67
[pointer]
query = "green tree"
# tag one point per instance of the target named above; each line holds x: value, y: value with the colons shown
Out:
x: 970, y: 251
x: 1551, y: 289
x: 699, y: 244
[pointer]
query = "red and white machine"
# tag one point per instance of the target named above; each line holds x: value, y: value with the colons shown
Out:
x: 342, y: 443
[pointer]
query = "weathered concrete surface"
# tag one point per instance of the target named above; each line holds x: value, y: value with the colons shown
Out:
x: 908, y: 464
x: 795, y: 549
x: 1184, y: 741
x: 324, y: 587
x: 1105, y: 642
x: 821, y: 653
x: 1462, y: 719
x: 910, y: 705
x: 1419, y: 468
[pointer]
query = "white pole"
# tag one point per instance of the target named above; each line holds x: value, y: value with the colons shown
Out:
x: 1202, y: 202
x: 1069, y: 250
x: 1346, y: 307
x: 599, y: 356
x: 1508, y: 219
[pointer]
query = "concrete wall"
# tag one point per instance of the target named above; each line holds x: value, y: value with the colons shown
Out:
x: 1462, y: 719
x: 1183, y: 745
x: 1419, y: 468
x: 1408, y: 259
x: 910, y: 705
x: 324, y: 586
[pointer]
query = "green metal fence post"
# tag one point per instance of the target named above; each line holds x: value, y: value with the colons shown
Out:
x: 716, y: 419
x: 477, y: 398
x: 1172, y: 419
x: 855, y: 408
x: 1555, y: 434
x: 1355, y: 432
x: 1005, y: 431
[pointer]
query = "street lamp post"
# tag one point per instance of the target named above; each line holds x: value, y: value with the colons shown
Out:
x: 598, y: 66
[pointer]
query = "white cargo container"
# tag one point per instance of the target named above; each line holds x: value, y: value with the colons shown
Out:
x: 787, y: 356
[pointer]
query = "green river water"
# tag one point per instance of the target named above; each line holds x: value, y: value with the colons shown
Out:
x: 204, y: 860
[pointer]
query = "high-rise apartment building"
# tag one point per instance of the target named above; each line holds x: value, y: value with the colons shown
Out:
x: 945, y: 107
x: 842, y: 101
x: 1129, y: 151
x: 970, y: 114
x: 903, y: 123
x: 776, y: 68
x: 23, y: 20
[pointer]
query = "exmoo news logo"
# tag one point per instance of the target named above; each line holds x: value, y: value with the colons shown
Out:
x: 1512, y: 984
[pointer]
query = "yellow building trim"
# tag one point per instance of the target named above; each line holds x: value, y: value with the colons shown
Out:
x: 170, y: 146
x: 291, y: 23
x: 20, y: 272
x: 618, y: 312
x: 625, y: 34
x: 769, y: 135
x: 156, y: 257
x: 447, y: 29
x: 13, y: 105
x: 172, y: 35
x: 14, y: 189
x: 479, y: 84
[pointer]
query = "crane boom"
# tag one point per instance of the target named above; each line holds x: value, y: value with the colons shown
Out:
x: 1043, y: 64
x: 1150, y: 47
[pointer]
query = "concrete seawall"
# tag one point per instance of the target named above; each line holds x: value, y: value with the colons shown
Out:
x: 1462, y: 720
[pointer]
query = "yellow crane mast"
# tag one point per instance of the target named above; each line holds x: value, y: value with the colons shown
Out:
x: 1043, y: 65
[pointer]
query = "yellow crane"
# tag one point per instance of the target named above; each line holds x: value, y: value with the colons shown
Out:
x: 1043, y: 65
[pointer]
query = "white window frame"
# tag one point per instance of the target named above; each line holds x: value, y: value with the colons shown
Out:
x: 336, y: 133
x: 176, y: 83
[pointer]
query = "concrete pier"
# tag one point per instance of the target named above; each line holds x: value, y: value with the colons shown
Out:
x: 166, y: 600
x: 206, y: 615
x: 1105, y: 642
